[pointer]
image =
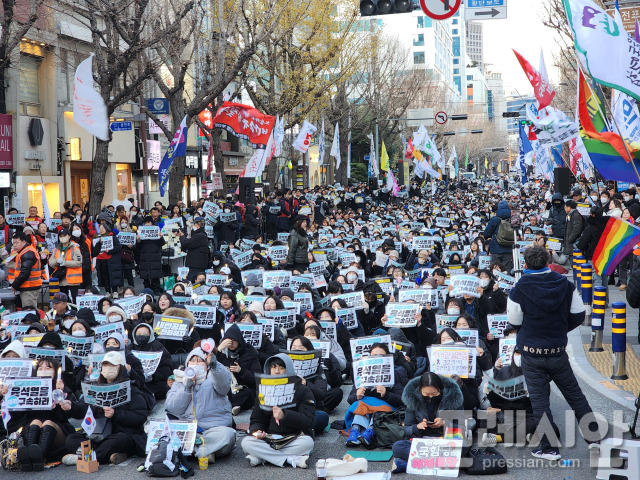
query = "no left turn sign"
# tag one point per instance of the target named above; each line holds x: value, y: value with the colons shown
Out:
x: 441, y: 118
x: 440, y: 9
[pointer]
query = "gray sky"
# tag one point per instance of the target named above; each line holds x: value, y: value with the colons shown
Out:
x: 523, y: 31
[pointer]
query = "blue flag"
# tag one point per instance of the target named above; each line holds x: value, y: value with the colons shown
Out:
x: 177, y: 148
x: 525, y: 151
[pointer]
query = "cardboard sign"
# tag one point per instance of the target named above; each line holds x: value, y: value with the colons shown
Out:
x: 36, y: 353
x: 252, y: 333
x: 282, y: 318
x: 369, y: 372
x: 497, y: 324
x: 276, y: 278
x: 402, y: 315
x: 149, y: 361
x: 185, y: 432
x: 88, y: 301
x: 510, y: 389
x: 32, y: 393
x: 126, y: 238
x: 450, y: 361
x: 360, y: 347
x: 348, y: 316
x: 102, y: 332
x: 16, y: 219
x: 15, y: 368
x: 465, y: 285
x: 170, y: 328
x: 276, y: 390
x: 149, y: 232
x: 77, y: 348
x: 107, y: 395
x: 435, y: 456
x: 305, y: 363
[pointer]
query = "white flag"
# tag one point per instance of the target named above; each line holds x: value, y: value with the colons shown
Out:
x: 89, y: 422
x: 303, y: 141
x: 335, y: 147
x: 6, y: 416
x: 374, y: 171
x: 626, y: 116
x: 89, y: 109
x: 45, y: 207
x: 278, y: 136
x: 321, y: 145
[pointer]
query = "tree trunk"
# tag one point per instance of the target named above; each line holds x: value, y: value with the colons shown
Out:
x: 176, y: 180
x: 98, y: 176
x: 218, y: 159
x: 272, y: 173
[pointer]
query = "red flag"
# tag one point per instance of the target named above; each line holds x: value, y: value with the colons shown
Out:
x: 408, y: 154
x: 210, y: 158
x: 541, y: 87
x: 245, y: 122
x: 575, y: 155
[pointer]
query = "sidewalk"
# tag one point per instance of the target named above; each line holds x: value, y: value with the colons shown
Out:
x: 596, y: 368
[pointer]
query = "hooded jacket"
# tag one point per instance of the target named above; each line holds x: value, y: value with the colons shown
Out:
x: 209, y: 399
x: 88, y: 316
x: 247, y: 358
x: 558, y: 215
x: 545, y: 306
x: 197, y: 248
x: 298, y: 249
x: 503, y: 213
x: 573, y: 230
x: 417, y: 408
x: 158, y: 381
x: 251, y: 222
x: 296, y: 419
x: 186, y: 344
x: 16, y: 347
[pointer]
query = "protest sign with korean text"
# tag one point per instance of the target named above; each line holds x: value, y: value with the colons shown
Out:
x: 204, y: 315
x: 107, y: 395
x: 305, y: 363
x: 276, y: 278
x: 149, y: 232
x: 402, y: 315
x: 251, y: 332
x: 276, y: 391
x: 435, y: 456
x: 369, y: 372
x: 186, y: 432
x: 102, y: 332
x: 282, y: 318
x: 170, y: 328
x: 15, y: 367
x: 360, y: 347
x: 28, y: 393
x: 149, y: 361
x: 497, y: 324
x: 36, y: 353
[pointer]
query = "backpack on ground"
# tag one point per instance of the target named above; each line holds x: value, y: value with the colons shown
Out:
x: 505, y: 234
x: 388, y: 428
x: 164, y: 461
x: 485, y: 461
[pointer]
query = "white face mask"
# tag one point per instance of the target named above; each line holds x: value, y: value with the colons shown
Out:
x: 44, y: 373
x: 604, y: 199
x: 124, y: 225
x: 110, y: 373
x: 79, y: 333
x: 447, y: 342
x: 76, y: 233
x: 517, y: 360
x: 226, y: 210
x: 484, y: 282
x: 200, y: 369
x: 453, y: 311
x: 64, y: 239
x: 352, y: 278
x: 114, y: 318
x: 216, y: 262
x: 67, y: 323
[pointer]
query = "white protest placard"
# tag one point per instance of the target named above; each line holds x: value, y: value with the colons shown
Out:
x: 455, y: 270
x: 252, y: 278
x: 435, y: 456
x: 15, y: 368
x: 505, y: 350
x: 127, y: 238
x: 323, y: 345
x: 216, y: 180
x: 268, y: 327
x: 402, y: 315
x: 354, y: 299
x: 421, y: 296
x: 276, y: 278
x: 443, y: 222
x: 205, y: 315
x: 347, y: 258
x: 348, y: 316
x: 554, y: 244
x: 276, y: 391
x: 29, y: 340
x: 107, y: 395
x: 132, y: 305
x: 282, y: 318
x: 214, y: 298
x: 329, y: 329
x: 465, y: 285
x: 584, y: 209
x: 51, y: 239
x: 88, y: 301
x: 283, y: 236
x: 28, y: 393
x: 214, y: 279
x: 451, y: 237
x: 15, y: 219
x: 185, y: 432
x: 228, y: 217
x: 497, y: 324
x: 505, y: 282
x: 36, y: 353
x: 469, y: 336
x: 305, y: 363
x: 292, y: 305
x: 210, y: 208
x: 14, y: 318
x: 510, y: 389
x: 360, y: 347
x: 422, y: 243
x: 450, y: 361
x: 445, y: 321
x: 149, y: 232
x: 149, y: 361
x: 102, y: 332
x: 107, y: 243
x: 243, y: 259
x: 77, y: 348
x: 170, y: 328
x: 484, y: 261
x: 306, y: 301
x: 369, y: 372
x: 252, y: 333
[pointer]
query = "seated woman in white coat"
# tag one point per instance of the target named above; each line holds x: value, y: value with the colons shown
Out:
x: 206, y: 395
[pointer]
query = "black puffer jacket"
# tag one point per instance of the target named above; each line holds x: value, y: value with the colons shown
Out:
x: 633, y: 289
x: 251, y: 222
x: 573, y: 230
x: 157, y: 382
x: 298, y: 248
x: 149, y: 257
x: 558, y: 215
x: 245, y: 355
x: 197, y: 248
x: 591, y: 235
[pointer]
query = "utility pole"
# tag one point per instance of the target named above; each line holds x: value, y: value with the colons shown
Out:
x: 143, y: 140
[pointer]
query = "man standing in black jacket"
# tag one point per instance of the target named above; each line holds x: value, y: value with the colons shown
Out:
x: 544, y: 306
x: 197, y: 248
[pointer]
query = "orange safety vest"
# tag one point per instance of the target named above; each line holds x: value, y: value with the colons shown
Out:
x: 35, y: 276
x: 74, y: 274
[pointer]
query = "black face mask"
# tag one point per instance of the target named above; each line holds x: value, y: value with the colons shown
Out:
x: 146, y: 317
x: 142, y: 340
x: 112, y: 349
x: 432, y: 400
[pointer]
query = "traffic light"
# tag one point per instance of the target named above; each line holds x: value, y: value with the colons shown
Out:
x: 525, y: 122
x: 383, y: 7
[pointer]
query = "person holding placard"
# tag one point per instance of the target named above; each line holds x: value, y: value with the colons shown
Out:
x: 203, y: 397
x: 108, y: 262
x: 296, y: 420
x: 66, y: 264
x: 127, y: 420
x: 178, y: 348
x: 298, y: 245
x: 143, y: 340
x: 196, y: 247
x: 78, y: 237
x: 425, y: 398
x: 149, y: 259
x: 26, y: 276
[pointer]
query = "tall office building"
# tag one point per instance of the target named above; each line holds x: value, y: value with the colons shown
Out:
x: 474, y: 43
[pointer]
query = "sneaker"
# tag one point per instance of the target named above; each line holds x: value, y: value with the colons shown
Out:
x: 118, y: 458
x: 298, y: 461
x: 489, y: 440
x: 70, y: 459
x: 253, y: 461
x: 367, y: 438
x: 236, y: 410
x: 398, y: 466
x: 353, y: 440
x: 622, y: 287
x: 547, y: 453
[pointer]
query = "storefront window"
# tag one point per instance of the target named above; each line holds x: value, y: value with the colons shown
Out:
x: 52, y: 191
x: 123, y: 176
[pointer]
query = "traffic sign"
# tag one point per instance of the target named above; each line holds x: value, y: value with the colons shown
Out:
x: 441, y: 118
x: 440, y: 9
x: 121, y: 126
x: 158, y: 106
x: 485, y: 9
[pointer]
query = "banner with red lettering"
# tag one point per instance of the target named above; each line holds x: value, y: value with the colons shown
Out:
x: 245, y: 122
x: 303, y: 141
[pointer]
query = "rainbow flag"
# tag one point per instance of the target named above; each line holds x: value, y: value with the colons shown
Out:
x: 453, y: 433
x: 617, y: 241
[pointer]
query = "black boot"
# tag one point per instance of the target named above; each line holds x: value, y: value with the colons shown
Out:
x: 46, y: 440
x: 33, y: 435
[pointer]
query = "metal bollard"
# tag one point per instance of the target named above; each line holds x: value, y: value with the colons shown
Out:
x: 587, y: 291
x: 54, y: 287
x: 576, y: 254
x: 577, y: 271
x: 619, y: 340
x: 597, y: 322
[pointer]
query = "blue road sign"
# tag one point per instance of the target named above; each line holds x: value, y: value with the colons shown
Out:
x: 158, y: 106
x: 485, y: 3
x: 121, y: 126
